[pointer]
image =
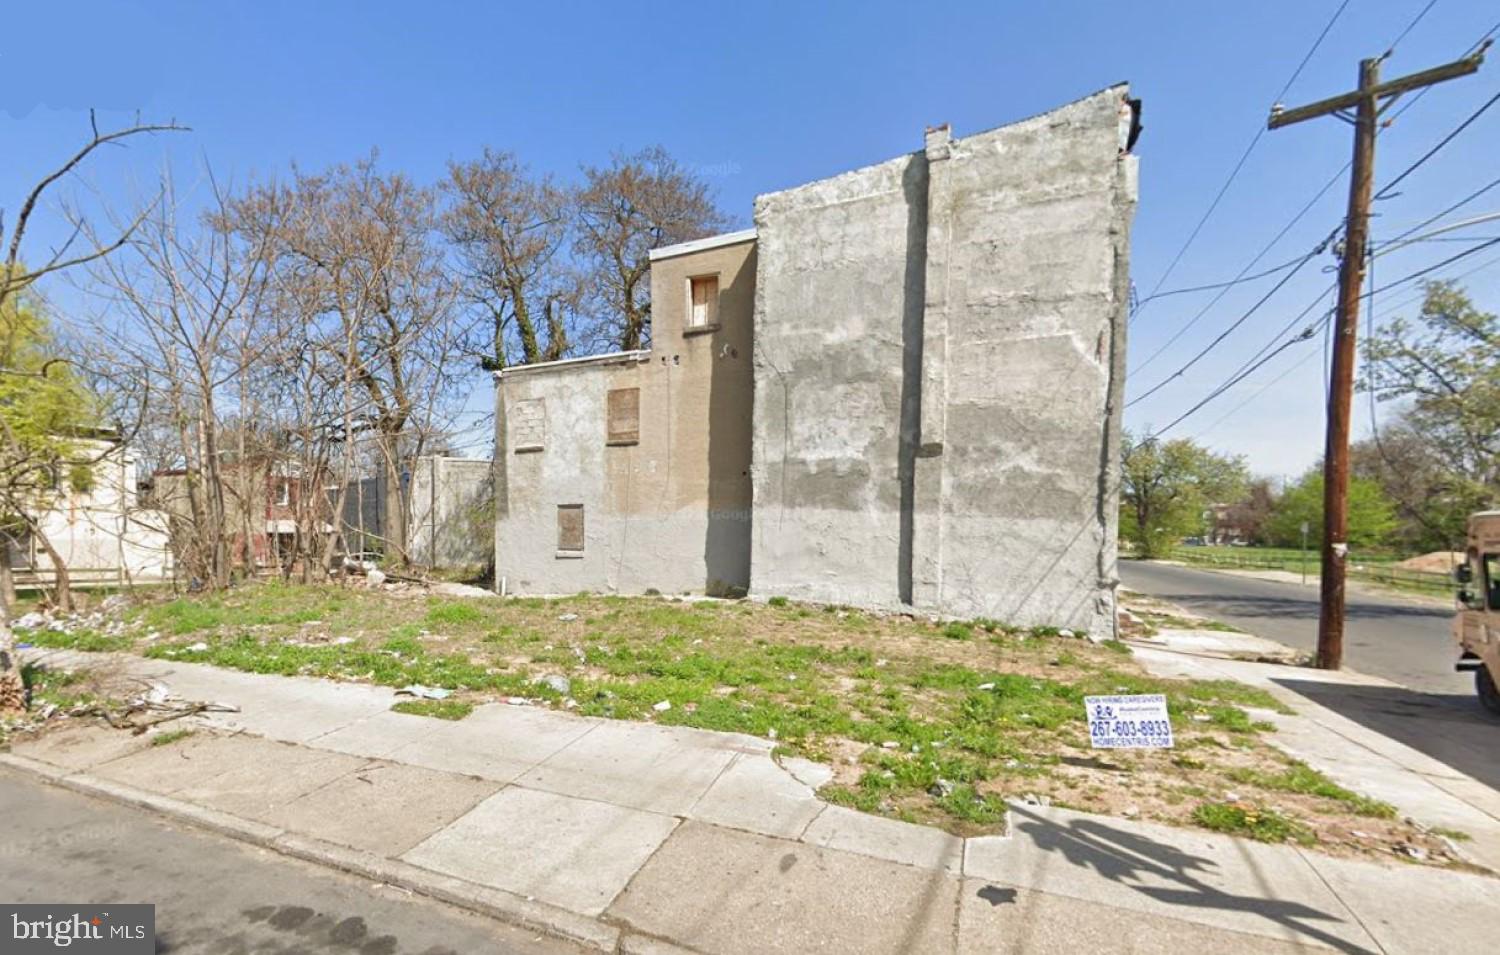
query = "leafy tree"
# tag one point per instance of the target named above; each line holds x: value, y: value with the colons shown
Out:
x: 44, y: 409
x: 1433, y: 502
x: 1166, y: 487
x: 1250, y: 514
x: 1447, y: 364
x: 1372, y: 517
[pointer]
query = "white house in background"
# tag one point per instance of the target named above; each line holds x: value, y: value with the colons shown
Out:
x: 101, y: 534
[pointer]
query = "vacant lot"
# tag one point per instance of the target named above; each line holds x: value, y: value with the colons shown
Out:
x: 929, y: 722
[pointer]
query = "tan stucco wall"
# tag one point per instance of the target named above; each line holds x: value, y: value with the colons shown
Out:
x: 671, y: 512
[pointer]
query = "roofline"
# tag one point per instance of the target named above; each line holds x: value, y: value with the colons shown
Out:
x: 699, y: 245
x: 640, y: 354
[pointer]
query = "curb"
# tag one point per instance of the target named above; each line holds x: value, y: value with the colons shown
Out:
x: 484, y: 900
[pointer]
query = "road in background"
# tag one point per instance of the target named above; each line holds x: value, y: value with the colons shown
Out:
x: 1403, y: 640
x: 215, y: 895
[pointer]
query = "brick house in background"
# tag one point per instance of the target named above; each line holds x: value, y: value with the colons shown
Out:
x: 262, y: 499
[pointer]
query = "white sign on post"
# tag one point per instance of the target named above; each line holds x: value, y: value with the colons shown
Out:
x: 1129, y: 722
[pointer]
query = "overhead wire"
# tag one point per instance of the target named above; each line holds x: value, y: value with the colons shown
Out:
x: 1244, y: 157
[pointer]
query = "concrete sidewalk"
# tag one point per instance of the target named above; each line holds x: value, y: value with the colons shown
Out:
x: 1433, y: 761
x: 642, y: 838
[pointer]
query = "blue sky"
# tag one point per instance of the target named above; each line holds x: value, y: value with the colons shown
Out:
x: 758, y: 97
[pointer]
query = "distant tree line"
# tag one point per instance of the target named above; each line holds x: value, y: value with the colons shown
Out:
x: 1433, y: 456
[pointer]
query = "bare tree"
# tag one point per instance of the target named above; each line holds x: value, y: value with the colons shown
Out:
x: 507, y: 230
x: 186, y: 308
x: 15, y: 279
x: 638, y: 203
x: 359, y: 249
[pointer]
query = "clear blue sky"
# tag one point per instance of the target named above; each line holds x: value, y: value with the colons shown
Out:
x: 763, y: 96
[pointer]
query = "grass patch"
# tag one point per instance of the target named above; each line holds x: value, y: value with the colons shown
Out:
x: 452, y: 613
x: 439, y: 709
x: 931, y: 723
x: 1262, y: 825
x: 1301, y: 778
x: 82, y: 639
x: 170, y: 736
x: 1457, y: 835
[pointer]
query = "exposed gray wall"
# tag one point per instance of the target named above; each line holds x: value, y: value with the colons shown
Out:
x: 450, y: 500
x: 449, y: 506
x: 938, y: 365
x: 635, y: 538
x: 829, y: 310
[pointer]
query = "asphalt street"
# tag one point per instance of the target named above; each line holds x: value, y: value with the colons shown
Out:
x: 1404, y: 641
x: 215, y: 895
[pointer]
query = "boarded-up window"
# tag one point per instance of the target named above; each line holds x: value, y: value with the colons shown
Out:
x: 570, y: 529
x: 703, y: 301
x: 624, y: 416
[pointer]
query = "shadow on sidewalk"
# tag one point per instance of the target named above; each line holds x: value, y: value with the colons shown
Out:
x: 1143, y: 864
x: 1450, y: 728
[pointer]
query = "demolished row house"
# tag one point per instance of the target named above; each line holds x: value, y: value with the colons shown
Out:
x: 900, y: 389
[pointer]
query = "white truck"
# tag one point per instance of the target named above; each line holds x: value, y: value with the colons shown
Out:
x: 1476, y: 626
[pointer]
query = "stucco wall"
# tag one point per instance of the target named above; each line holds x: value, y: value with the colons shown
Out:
x: 670, y: 512
x: 939, y: 347
x: 831, y: 319
x: 449, y: 502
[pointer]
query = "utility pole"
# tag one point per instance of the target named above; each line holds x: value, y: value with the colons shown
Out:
x: 1368, y: 102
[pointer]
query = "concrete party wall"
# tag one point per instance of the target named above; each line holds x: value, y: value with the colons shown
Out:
x: 1026, y: 286
x: 448, y: 522
x: 937, y: 370
x: 832, y: 308
x: 644, y: 526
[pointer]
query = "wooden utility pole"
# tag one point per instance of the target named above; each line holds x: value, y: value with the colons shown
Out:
x: 1368, y: 101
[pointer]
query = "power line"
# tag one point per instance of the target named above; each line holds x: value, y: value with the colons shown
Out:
x: 1231, y: 382
x: 1453, y: 208
x: 1409, y: 27
x: 1264, y: 356
x: 1385, y: 190
x: 1490, y: 243
x: 1234, y: 281
x: 1307, y: 207
x: 1254, y: 395
x: 1236, y: 323
x: 1254, y: 141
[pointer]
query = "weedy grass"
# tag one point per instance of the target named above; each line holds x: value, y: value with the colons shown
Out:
x: 439, y: 709
x: 934, y: 722
x: 169, y: 737
x: 1252, y: 822
x: 1298, y: 777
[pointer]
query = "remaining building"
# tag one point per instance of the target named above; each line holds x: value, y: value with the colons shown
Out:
x: 631, y: 471
x: 901, y: 389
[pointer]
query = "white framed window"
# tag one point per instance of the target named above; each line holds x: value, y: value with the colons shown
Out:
x: 703, y: 301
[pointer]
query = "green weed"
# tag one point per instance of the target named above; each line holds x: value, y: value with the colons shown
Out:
x: 439, y: 709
